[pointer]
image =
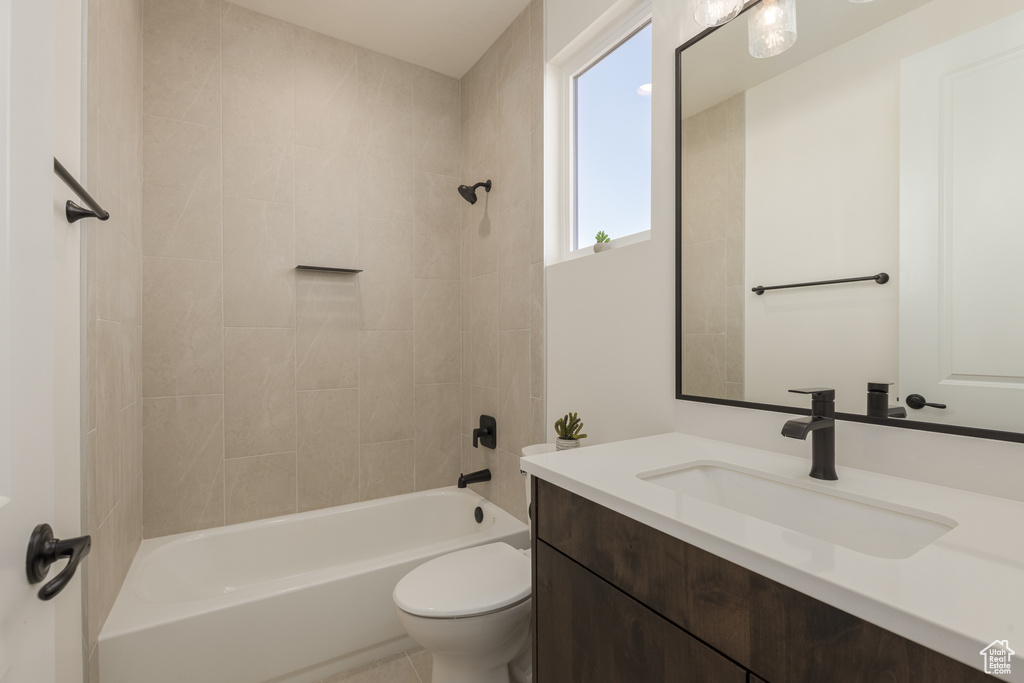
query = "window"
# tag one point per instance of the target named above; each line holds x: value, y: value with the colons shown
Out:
x: 611, y: 164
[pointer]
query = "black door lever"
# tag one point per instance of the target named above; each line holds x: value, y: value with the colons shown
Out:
x: 44, y: 550
x: 917, y: 401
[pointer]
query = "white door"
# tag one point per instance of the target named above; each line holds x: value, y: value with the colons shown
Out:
x: 962, y: 228
x: 26, y: 331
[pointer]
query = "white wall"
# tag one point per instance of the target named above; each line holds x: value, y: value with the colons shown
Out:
x: 611, y: 338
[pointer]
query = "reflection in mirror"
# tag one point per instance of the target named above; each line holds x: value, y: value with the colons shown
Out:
x: 887, y: 139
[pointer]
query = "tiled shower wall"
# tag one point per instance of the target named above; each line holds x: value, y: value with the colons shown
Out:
x: 503, y: 255
x: 713, y: 227
x: 113, y: 460
x: 268, y: 391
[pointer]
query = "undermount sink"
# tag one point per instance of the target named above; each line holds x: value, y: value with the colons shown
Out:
x: 868, y: 526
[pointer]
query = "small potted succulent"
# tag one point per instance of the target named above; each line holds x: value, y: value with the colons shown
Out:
x: 568, y: 430
x: 604, y: 242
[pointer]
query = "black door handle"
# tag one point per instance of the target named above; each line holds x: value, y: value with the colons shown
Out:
x: 917, y: 401
x: 44, y: 550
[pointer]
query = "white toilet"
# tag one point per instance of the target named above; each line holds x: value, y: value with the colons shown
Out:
x: 471, y: 609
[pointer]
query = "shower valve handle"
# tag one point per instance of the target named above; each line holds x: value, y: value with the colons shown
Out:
x: 44, y: 550
x: 487, y: 433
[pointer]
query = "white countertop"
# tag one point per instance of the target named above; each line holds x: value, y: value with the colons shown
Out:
x: 957, y: 595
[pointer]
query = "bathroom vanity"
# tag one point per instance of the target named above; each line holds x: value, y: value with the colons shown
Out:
x: 643, y: 571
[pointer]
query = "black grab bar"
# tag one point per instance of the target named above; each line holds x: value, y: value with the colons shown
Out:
x: 881, y: 279
x: 73, y: 211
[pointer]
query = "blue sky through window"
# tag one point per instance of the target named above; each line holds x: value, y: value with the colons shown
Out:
x: 613, y: 143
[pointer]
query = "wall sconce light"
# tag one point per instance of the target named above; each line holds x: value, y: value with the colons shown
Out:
x: 711, y: 13
x: 771, y: 28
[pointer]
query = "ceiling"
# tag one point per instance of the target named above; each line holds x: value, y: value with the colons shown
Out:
x: 448, y: 36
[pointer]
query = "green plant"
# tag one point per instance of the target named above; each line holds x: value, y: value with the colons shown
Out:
x: 602, y: 237
x: 569, y: 427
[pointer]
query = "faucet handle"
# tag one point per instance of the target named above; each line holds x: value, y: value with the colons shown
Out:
x: 882, y: 387
x: 817, y: 394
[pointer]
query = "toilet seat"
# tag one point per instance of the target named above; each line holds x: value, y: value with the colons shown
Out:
x: 466, y: 583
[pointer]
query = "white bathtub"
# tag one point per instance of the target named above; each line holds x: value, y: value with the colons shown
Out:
x: 295, y: 598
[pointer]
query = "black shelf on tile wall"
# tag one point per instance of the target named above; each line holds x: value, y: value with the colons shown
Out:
x: 325, y: 269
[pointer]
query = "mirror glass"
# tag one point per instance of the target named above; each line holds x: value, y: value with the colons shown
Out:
x: 885, y: 145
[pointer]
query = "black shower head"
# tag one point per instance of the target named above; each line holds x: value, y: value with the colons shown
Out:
x: 469, y: 193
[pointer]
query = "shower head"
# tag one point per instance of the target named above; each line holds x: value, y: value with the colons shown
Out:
x: 469, y: 193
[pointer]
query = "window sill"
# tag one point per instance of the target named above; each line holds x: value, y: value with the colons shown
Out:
x: 635, y: 238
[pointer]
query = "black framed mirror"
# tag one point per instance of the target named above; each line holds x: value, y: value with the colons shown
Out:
x: 848, y: 212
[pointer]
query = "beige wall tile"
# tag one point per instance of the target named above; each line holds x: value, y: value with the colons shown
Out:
x: 182, y: 350
x: 181, y: 60
x: 385, y: 81
x: 130, y: 262
x: 704, y: 288
x: 183, y: 475
x: 181, y: 209
x: 384, y: 182
x: 257, y: 42
x: 483, y: 118
x: 105, y: 454
x: 385, y: 285
x: 327, y: 209
x: 539, y: 423
x: 386, y: 469
x: 436, y: 123
x: 259, y: 264
x: 385, y: 386
x: 327, y: 337
x: 328, y: 456
x: 466, y: 94
x: 734, y: 335
x: 480, y: 226
x: 704, y: 365
x: 484, y: 330
x: 513, y: 143
x: 437, y: 340
x: 259, y: 487
x: 514, y: 267
x: 514, y: 418
x: 437, y: 236
x: 131, y: 363
x: 537, y: 195
x: 259, y: 391
x: 467, y: 385
x: 510, y: 488
x: 259, y: 133
x: 512, y: 50
x: 537, y: 370
x: 326, y: 93
x: 483, y: 401
x: 437, y: 435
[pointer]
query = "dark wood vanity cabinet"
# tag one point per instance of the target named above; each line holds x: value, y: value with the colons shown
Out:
x: 616, y: 601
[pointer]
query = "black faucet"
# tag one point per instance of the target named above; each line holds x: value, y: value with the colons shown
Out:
x: 823, y: 423
x: 486, y: 433
x: 474, y: 478
x: 878, y: 401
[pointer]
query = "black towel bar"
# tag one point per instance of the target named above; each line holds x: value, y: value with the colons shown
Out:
x: 881, y: 279
x: 73, y: 211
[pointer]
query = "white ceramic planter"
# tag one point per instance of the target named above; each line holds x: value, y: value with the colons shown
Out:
x: 602, y: 246
x: 566, y: 444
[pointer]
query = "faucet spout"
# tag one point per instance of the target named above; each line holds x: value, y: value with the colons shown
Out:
x: 800, y: 428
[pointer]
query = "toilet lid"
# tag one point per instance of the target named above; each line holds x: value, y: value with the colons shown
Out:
x: 467, y: 582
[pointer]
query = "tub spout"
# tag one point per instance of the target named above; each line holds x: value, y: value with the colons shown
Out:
x: 474, y: 478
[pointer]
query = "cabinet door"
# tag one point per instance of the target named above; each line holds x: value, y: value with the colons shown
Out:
x: 590, y: 632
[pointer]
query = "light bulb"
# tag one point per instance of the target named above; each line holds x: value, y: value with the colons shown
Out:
x: 710, y: 13
x: 771, y: 28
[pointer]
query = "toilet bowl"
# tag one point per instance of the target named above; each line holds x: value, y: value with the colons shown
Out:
x: 471, y: 609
